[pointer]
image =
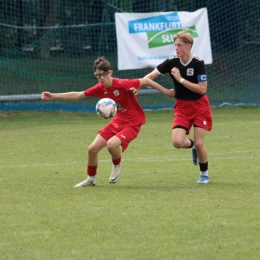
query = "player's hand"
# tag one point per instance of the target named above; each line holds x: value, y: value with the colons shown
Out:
x: 47, y: 96
x: 176, y: 73
x: 133, y: 90
x: 171, y: 93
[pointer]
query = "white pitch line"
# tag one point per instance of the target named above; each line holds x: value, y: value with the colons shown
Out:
x: 146, y: 159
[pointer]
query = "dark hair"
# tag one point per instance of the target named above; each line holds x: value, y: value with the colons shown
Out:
x: 101, y: 64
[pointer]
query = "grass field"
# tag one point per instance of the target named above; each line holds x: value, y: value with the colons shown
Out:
x: 155, y: 211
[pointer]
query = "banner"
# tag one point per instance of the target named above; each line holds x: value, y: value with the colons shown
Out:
x: 146, y: 39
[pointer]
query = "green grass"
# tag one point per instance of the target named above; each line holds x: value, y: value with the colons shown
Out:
x: 156, y: 210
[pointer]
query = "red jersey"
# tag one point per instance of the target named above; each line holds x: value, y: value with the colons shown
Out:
x: 129, y: 111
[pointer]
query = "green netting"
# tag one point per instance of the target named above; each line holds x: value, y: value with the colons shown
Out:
x: 51, y: 45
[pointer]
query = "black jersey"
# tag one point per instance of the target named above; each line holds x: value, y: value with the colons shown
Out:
x: 192, y: 71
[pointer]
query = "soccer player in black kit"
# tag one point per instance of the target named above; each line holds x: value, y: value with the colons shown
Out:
x: 192, y: 107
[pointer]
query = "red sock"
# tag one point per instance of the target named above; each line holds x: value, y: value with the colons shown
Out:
x: 92, y: 170
x: 116, y: 161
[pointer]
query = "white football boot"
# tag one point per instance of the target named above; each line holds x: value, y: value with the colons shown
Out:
x: 115, y: 174
x: 86, y: 183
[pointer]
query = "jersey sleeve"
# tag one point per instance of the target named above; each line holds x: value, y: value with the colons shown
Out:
x: 130, y: 83
x: 162, y: 68
x: 94, y: 91
x: 166, y: 66
x: 201, y: 74
x: 201, y: 67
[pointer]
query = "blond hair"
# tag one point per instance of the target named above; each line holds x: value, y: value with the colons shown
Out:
x: 184, y: 36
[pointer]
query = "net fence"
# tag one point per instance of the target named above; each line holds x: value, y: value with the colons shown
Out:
x: 52, y: 44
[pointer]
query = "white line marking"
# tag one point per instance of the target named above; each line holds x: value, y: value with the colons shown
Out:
x: 173, y: 158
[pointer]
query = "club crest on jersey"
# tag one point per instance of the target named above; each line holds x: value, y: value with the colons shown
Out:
x: 190, y: 72
x: 116, y: 93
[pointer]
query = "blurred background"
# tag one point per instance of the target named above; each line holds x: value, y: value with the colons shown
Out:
x: 52, y: 44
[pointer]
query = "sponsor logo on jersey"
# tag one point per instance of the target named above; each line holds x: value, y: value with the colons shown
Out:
x: 120, y: 108
x: 190, y: 72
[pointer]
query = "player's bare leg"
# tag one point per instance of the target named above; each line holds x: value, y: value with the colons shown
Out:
x: 179, y: 139
x: 199, y: 134
x: 113, y: 148
x: 93, y: 150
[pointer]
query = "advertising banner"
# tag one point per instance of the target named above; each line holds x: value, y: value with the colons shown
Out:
x: 146, y: 39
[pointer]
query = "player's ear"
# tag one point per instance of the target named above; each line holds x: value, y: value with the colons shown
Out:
x: 189, y: 45
x: 111, y: 72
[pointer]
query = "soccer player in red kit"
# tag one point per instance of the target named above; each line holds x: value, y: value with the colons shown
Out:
x: 126, y: 124
x: 192, y: 106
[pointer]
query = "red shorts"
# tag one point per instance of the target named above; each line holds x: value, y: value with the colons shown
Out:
x: 192, y: 112
x: 125, y: 133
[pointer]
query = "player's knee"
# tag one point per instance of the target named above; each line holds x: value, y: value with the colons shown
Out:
x: 177, y: 144
x: 198, y: 144
x: 92, y: 149
x: 110, y: 145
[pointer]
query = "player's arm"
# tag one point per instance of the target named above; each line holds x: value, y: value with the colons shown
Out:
x: 152, y: 75
x: 74, y: 95
x: 200, y: 87
x: 148, y: 82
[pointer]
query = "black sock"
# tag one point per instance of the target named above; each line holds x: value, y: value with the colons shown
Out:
x: 203, y: 167
x: 192, y: 143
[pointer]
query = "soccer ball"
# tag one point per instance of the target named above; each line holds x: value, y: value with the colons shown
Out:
x: 106, y: 108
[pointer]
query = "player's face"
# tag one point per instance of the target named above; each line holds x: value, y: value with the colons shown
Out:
x: 182, y: 48
x: 104, y: 77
